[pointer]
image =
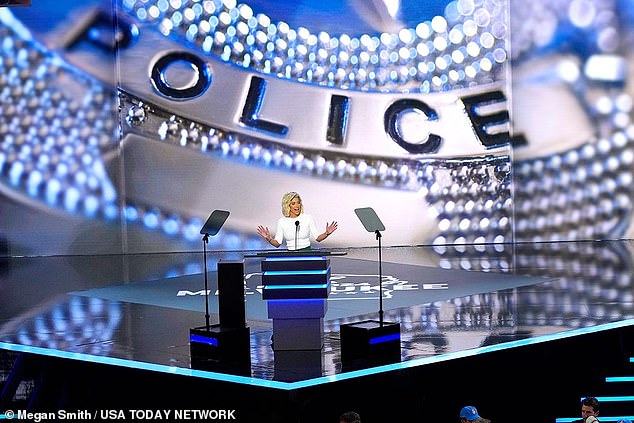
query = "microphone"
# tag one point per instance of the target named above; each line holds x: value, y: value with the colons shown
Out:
x: 296, y: 232
x: 296, y: 224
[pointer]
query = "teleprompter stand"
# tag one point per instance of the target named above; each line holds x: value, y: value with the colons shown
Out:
x: 223, y: 347
x: 211, y: 227
x: 371, y: 342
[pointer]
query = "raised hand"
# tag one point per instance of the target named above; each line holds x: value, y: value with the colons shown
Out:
x: 331, y: 227
x: 264, y: 232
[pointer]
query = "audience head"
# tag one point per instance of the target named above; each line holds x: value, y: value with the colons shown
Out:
x: 469, y: 413
x: 350, y: 417
x: 589, y: 408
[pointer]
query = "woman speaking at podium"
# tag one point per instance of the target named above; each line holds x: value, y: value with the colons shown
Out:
x: 295, y: 227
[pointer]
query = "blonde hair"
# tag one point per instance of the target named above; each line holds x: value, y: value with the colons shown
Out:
x: 286, y: 203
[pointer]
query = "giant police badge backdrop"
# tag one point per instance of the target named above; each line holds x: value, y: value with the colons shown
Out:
x: 461, y: 123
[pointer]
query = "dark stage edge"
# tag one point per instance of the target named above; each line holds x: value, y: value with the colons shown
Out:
x: 78, y: 351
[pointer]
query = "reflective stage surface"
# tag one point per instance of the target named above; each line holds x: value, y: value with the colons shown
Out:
x: 135, y: 311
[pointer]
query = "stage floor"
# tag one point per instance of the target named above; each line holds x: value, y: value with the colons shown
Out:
x: 136, y: 310
x: 140, y: 308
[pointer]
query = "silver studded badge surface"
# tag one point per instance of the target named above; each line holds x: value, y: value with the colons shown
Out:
x: 412, y: 123
x: 226, y: 105
x: 223, y: 105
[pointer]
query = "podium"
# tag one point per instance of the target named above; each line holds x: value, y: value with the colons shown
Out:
x: 296, y: 288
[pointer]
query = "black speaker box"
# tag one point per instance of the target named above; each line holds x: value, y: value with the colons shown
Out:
x: 226, y: 350
x: 231, y: 294
x: 370, y: 343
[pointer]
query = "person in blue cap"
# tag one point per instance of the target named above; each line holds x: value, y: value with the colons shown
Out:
x: 470, y: 414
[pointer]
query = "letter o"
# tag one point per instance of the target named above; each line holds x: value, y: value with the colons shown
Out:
x: 180, y: 75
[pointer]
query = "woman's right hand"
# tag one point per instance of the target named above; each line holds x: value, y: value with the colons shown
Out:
x: 264, y: 232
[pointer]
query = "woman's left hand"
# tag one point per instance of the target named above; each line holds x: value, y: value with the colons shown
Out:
x: 331, y: 227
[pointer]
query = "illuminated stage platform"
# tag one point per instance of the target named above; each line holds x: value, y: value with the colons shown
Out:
x: 98, y: 331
